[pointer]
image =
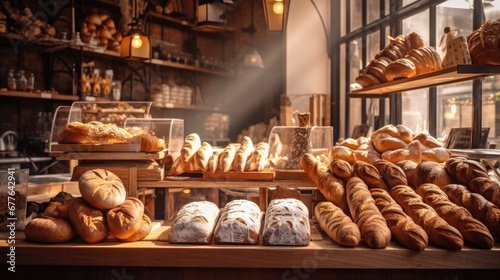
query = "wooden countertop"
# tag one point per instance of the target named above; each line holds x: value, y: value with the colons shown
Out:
x: 155, y: 251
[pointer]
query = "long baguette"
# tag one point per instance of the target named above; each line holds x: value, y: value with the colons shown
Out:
x: 341, y: 169
x: 226, y: 158
x: 472, y: 230
x: 213, y: 162
x: 439, y: 231
x: 337, y: 224
x: 478, y: 206
x: 369, y: 174
x: 487, y: 188
x: 202, y: 156
x: 242, y: 154
x: 392, y: 174
x: 259, y: 157
x: 191, y: 144
x: 330, y: 186
x: 365, y: 214
x: 402, y: 226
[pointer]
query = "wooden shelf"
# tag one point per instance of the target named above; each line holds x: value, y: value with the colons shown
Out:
x: 204, y: 183
x: 186, y: 107
x: 156, y: 252
x: 459, y: 73
x: 168, y: 19
x: 40, y: 95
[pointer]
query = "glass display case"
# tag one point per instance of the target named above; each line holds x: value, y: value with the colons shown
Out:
x: 287, y: 144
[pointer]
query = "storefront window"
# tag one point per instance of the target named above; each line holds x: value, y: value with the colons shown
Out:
x: 373, y: 10
x: 356, y: 14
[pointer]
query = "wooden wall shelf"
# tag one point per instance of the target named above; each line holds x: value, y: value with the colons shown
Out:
x: 24, y: 94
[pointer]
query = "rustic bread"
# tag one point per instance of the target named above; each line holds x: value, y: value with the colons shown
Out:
x: 202, y: 156
x: 464, y: 170
x: 242, y: 154
x: 410, y: 152
x: 344, y: 153
x: 144, y: 229
x: 439, y: 231
x: 392, y: 174
x: 88, y: 221
x: 226, y: 158
x: 399, y: 69
x: 49, y: 230
x: 487, y: 188
x: 341, y: 169
x: 102, y: 188
x: 369, y: 174
x: 366, y: 215
x: 239, y: 223
x: 93, y: 133
x: 336, y: 224
x: 472, y: 230
x: 434, y: 173
x: 410, y: 169
x: 258, y: 158
x: 286, y: 223
x: 149, y: 141
x: 403, y: 228
x: 58, y: 206
x: 125, y: 220
x: 194, y: 223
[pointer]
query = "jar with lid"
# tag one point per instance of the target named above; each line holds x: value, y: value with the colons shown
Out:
x: 22, y: 82
x: 11, y: 80
x: 30, y: 86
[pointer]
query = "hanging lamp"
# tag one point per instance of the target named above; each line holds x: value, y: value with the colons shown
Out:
x: 252, y: 57
x: 276, y: 14
x: 136, y: 44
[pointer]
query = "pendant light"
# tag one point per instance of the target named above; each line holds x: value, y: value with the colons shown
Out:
x: 136, y: 44
x: 276, y: 14
x: 252, y: 58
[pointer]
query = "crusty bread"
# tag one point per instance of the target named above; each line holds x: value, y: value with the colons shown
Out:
x: 410, y: 152
x: 259, y: 157
x: 202, y: 156
x: 392, y: 174
x: 464, y: 170
x: 191, y: 144
x: 286, y: 223
x: 400, y: 69
x: 336, y: 224
x: 330, y: 186
x: 341, y: 169
x: 369, y: 174
x: 366, y: 215
x: 242, y: 154
x: 226, y: 158
x: 213, y: 162
x: 239, y: 223
x: 487, y: 188
x: 194, y: 223
x: 88, y: 221
x: 344, y: 153
x: 439, y: 231
x: 432, y: 172
x: 478, y: 206
x: 143, y: 230
x: 472, y: 230
x: 49, y: 230
x: 125, y: 220
x: 102, y: 188
x: 93, y: 133
x: 149, y: 141
x: 58, y: 206
x: 385, y: 142
x: 403, y: 228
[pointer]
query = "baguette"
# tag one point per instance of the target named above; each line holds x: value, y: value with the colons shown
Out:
x: 259, y: 157
x: 472, y: 230
x: 191, y: 144
x: 342, y: 152
x: 242, y: 154
x: 392, y: 174
x: 370, y: 175
x: 330, y: 186
x: 478, y: 206
x: 226, y: 158
x: 410, y: 169
x: 341, y: 169
x: 202, y: 156
x: 365, y: 214
x: 465, y: 170
x: 402, y: 226
x: 336, y: 224
x: 434, y: 173
x: 213, y: 162
x: 487, y: 188
x: 439, y: 231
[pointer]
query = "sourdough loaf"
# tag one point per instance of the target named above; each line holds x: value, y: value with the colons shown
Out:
x: 336, y: 224
x: 194, y: 223
x: 239, y: 223
x: 49, y: 230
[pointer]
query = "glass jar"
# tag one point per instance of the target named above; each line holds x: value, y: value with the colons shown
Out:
x: 11, y: 80
x: 30, y: 86
x: 22, y: 82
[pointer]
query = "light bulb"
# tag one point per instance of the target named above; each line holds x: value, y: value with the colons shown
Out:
x: 136, y: 41
x: 253, y: 59
x: 278, y: 7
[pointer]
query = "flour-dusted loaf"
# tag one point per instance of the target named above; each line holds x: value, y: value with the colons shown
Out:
x: 286, y: 223
x: 195, y: 223
x: 239, y: 223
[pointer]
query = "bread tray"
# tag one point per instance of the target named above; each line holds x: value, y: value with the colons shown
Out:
x: 111, y: 155
x: 89, y: 148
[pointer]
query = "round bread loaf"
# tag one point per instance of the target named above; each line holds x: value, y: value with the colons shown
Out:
x: 102, y: 189
x: 89, y: 222
x: 125, y: 220
x: 143, y: 231
x: 49, y: 230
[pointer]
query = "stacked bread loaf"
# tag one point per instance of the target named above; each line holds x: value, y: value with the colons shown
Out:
x: 101, y: 27
x: 404, y: 57
x: 198, y: 156
x: 422, y: 194
x: 483, y: 43
x: 103, y: 211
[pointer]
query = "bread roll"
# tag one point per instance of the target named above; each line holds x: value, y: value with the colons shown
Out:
x: 259, y: 157
x: 472, y: 230
x: 366, y: 215
x: 330, y: 186
x: 191, y: 144
x: 403, y: 228
x: 49, y: 230
x: 58, y: 206
x: 487, y: 188
x: 478, y: 206
x: 202, y: 156
x: 411, y: 152
x: 194, y: 223
x: 439, y: 154
x: 226, y: 158
x: 242, y: 154
x: 125, y: 220
x: 369, y: 155
x: 286, y: 223
x: 344, y: 153
x: 149, y: 141
x: 102, y: 188
x: 239, y: 223
x: 336, y: 224
x: 213, y: 162
x: 385, y: 142
x: 341, y: 169
x: 400, y: 69
x: 427, y: 140
x: 367, y: 80
x: 392, y: 174
x: 439, y: 231
x: 89, y: 222
x: 144, y: 229
x: 370, y: 175
x: 350, y: 143
x: 93, y: 133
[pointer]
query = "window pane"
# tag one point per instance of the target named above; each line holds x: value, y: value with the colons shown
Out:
x: 356, y: 17
x: 373, y: 10
x: 373, y: 45
x: 343, y: 26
